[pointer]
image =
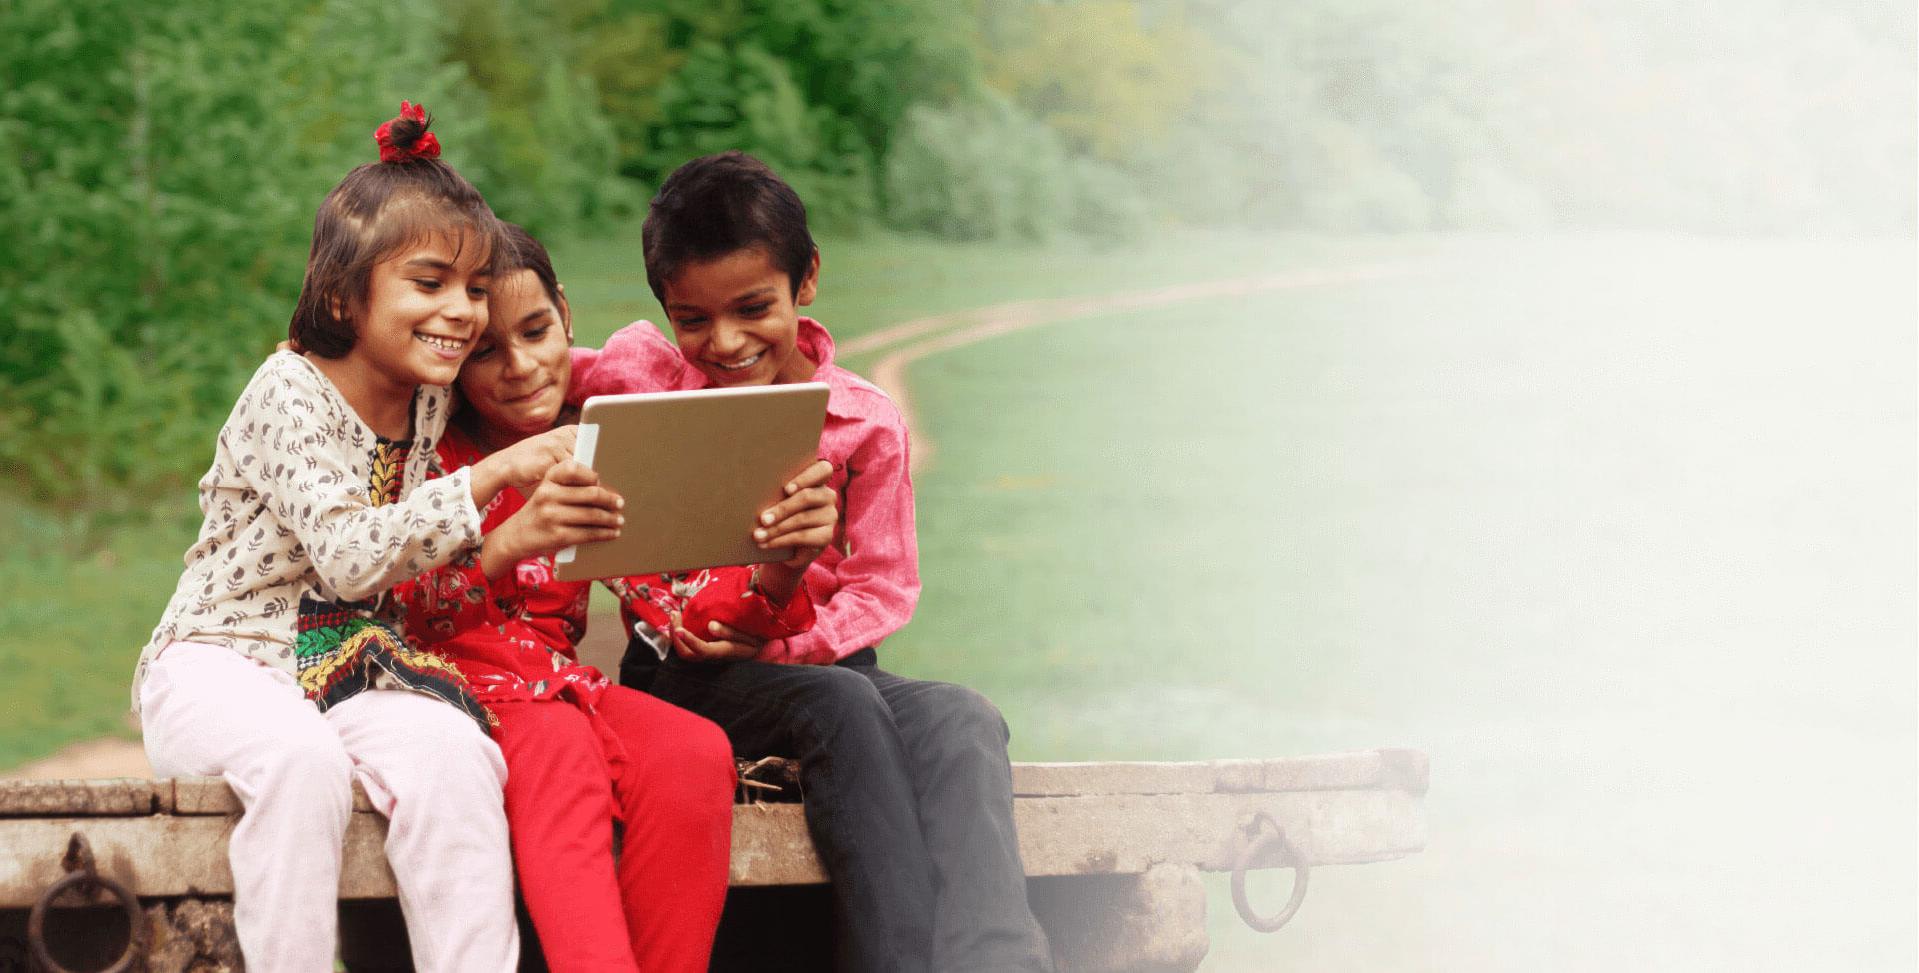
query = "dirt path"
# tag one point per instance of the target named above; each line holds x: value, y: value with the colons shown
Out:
x: 104, y: 757
x: 908, y: 342
x: 899, y: 345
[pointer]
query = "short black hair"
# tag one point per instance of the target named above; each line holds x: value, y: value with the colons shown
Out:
x: 721, y: 204
x: 378, y: 209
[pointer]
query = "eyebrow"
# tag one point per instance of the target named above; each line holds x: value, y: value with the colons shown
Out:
x: 756, y: 293
x: 538, y: 312
x: 431, y: 263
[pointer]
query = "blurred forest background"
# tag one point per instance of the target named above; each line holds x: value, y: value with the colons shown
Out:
x: 160, y: 163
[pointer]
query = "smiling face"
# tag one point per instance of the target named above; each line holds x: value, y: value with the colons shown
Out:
x: 737, y: 318
x: 425, y: 305
x: 516, y: 379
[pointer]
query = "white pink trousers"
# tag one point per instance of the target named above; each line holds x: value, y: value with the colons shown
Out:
x: 209, y: 711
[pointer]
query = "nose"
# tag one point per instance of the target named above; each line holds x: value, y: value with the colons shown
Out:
x: 518, y: 363
x: 464, y: 308
x: 726, y: 340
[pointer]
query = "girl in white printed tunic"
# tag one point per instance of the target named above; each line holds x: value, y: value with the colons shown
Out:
x: 279, y: 664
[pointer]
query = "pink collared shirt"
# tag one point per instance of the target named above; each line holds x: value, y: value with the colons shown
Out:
x: 864, y: 587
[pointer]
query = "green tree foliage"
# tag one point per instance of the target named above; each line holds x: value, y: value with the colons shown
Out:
x: 745, y: 98
x: 975, y: 172
x: 865, y: 61
x: 142, y: 181
x: 982, y: 170
x: 549, y: 152
x: 159, y: 169
x: 1107, y: 75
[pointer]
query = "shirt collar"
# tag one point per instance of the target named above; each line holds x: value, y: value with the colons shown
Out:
x: 815, y: 343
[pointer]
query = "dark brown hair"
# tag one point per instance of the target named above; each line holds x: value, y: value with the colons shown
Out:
x: 522, y: 252
x: 378, y: 209
x: 720, y: 204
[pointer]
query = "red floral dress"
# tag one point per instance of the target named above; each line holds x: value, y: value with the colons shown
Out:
x: 514, y: 637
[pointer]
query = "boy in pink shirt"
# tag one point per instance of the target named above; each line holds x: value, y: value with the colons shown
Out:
x: 908, y: 789
x: 866, y: 585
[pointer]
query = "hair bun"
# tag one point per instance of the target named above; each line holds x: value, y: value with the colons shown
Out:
x: 405, y: 138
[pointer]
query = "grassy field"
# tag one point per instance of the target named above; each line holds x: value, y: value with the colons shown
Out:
x: 74, y: 617
x: 1619, y: 529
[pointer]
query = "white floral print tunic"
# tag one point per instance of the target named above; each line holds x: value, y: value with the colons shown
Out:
x: 305, y: 533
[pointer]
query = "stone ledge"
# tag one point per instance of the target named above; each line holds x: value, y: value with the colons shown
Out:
x: 168, y: 837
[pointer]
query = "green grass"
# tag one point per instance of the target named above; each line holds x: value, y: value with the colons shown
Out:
x: 76, y: 612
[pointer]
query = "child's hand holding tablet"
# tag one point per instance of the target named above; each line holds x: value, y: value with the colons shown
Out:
x: 805, y: 522
x: 566, y: 507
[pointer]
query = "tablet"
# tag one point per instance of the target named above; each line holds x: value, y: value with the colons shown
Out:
x: 695, y: 468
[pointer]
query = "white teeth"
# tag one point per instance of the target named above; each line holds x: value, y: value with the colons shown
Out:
x: 444, y: 344
x: 739, y: 365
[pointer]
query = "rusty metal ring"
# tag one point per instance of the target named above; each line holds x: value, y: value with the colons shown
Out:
x: 81, y: 874
x: 1249, y: 850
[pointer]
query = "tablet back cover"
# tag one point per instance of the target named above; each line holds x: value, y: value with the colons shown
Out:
x: 696, y: 468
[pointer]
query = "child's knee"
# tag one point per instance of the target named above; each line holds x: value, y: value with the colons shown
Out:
x: 843, y: 696
x: 698, y: 743
x: 699, y: 760
x: 841, y: 703
x: 709, y: 755
x: 961, y: 720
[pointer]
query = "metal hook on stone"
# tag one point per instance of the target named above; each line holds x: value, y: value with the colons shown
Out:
x: 1254, y: 842
x: 82, y: 876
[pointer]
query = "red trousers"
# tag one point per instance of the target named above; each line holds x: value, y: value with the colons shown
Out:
x: 668, y: 776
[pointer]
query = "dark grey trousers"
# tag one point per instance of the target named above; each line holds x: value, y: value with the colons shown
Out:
x: 909, y: 799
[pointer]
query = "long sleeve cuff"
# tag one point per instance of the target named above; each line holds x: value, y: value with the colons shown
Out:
x: 732, y: 600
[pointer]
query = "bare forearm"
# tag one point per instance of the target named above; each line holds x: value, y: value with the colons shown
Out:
x: 488, y: 479
x: 498, y: 553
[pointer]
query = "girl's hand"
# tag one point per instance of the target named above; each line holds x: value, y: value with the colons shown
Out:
x: 805, y: 521
x: 522, y: 465
x: 723, y: 643
x: 568, y: 507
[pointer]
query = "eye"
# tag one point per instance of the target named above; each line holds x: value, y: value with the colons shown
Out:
x: 689, y: 324
x: 427, y: 283
x: 755, y: 310
x: 477, y: 293
x: 538, y: 333
x: 482, y: 351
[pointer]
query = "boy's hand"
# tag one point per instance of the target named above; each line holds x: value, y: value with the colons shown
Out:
x: 724, y: 643
x: 568, y: 507
x: 805, y: 521
x: 524, y: 464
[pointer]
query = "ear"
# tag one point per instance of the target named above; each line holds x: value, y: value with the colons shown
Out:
x: 810, y: 285
x: 566, y: 313
x: 345, y: 311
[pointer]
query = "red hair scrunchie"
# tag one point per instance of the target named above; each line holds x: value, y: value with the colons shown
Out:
x: 427, y: 146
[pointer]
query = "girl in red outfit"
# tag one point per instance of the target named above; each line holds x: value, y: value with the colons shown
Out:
x: 581, y: 753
